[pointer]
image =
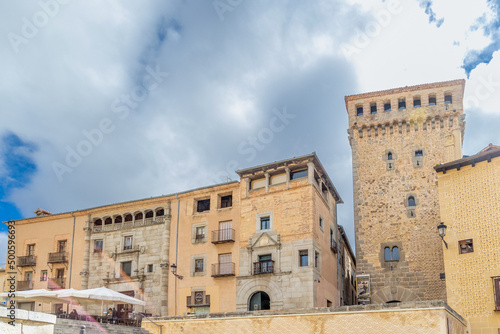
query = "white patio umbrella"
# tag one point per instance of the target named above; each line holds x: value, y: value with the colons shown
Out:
x: 102, y: 294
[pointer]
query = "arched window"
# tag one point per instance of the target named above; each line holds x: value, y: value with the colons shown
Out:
x: 128, y: 217
x: 149, y: 214
x: 138, y: 216
x: 108, y: 221
x: 411, y: 201
x: 160, y: 212
x: 395, y: 253
x: 118, y: 219
x: 389, y: 156
x: 387, y: 254
x: 98, y: 222
x: 259, y: 301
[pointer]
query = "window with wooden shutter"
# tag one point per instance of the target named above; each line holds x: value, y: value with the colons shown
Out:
x: 496, y: 291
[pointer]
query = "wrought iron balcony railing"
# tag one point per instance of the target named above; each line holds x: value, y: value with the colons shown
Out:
x: 23, y: 261
x: 221, y: 236
x: 263, y: 267
x: 58, y: 257
x: 223, y: 269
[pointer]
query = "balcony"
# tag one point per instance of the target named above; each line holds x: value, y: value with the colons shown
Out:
x: 333, y: 246
x: 24, y: 261
x: 223, y: 269
x: 56, y: 283
x: 24, y: 285
x: 58, y: 257
x: 222, y: 236
x: 263, y: 267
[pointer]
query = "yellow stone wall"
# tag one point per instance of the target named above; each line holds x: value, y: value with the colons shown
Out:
x: 470, y: 206
x: 434, y: 320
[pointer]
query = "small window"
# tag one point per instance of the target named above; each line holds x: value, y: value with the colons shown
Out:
x: 127, y: 243
x: 416, y: 102
x: 411, y: 201
x: 61, y: 246
x: 448, y: 99
x: 402, y: 104
x: 150, y: 268
x: 303, y: 258
x: 298, y: 174
x: 316, y: 260
x: 387, y: 254
x: 31, y: 250
x: 98, y: 246
x: 321, y: 223
x: 43, y: 275
x: 359, y: 111
x: 265, y: 223
x: 203, y: 205
x: 226, y: 201
x: 200, y: 233
x: 419, y: 153
x: 126, y: 268
x: 198, y: 265
x: 395, y: 253
x: 387, y: 107
x: 373, y: 108
x: 465, y: 246
x: 389, y: 156
x: 432, y: 100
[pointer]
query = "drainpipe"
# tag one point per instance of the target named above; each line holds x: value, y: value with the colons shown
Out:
x: 72, y: 247
x: 176, y: 249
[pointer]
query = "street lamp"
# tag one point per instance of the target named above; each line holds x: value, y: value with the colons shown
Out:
x: 442, y: 232
x: 173, y: 268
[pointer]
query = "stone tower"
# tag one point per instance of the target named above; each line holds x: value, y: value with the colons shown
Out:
x: 397, y: 136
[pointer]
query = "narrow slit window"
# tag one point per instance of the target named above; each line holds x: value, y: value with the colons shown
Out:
x: 389, y: 156
x: 411, y: 201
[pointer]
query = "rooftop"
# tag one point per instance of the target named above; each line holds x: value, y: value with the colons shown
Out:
x: 489, y: 152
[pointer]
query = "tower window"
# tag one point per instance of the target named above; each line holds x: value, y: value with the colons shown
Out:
x: 359, y: 110
x: 391, y: 254
x: 411, y: 201
x: 416, y: 102
x: 387, y: 107
x: 402, y: 104
x: 395, y: 253
x: 389, y: 156
x: 387, y: 254
x: 448, y: 99
x: 419, y: 153
x: 373, y: 108
x: 432, y: 100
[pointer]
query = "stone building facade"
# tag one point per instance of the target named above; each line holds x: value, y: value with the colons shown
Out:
x: 397, y: 136
x: 469, y: 193
x: 347, y: 270
x: 127, y: 250
x: 288, y: 230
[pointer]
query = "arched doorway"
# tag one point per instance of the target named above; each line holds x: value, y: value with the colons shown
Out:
x: 259, y: 301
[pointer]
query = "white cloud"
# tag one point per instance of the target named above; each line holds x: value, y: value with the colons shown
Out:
x: 3, y: 249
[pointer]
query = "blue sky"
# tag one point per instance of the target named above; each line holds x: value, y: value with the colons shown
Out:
x: 111, y: 101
